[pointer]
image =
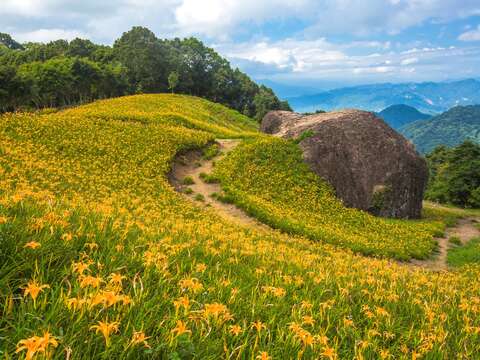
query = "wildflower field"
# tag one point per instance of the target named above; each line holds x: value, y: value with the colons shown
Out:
x: 101, y: 258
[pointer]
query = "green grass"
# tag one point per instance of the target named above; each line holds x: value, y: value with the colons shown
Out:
x: 188, y: 180
x: 455, y: 240
x: 199, y: 197
x: 210, y: 152
x: 465, y: 255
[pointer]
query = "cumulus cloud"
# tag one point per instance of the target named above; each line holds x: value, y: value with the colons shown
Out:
x: 472, y: 35
x: 221, y: 19
x: 44, y: 35
x: 295, y: 60
x: 268, y: 38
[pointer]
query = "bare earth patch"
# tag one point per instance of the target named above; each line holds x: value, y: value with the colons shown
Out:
x: 465, y: 230
x: 192, y: 165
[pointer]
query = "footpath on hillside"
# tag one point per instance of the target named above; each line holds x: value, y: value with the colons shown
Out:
x: 465, y: 230
x: 192, y: 165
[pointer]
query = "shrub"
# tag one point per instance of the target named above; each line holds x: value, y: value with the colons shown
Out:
x: 188, y: 180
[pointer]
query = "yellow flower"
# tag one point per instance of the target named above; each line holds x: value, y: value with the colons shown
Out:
x: 308, y: 320
x: 106, y: 329
x: 139, y: 337
x: 263, y: 356
x: 192, y: 284
x: 80, y: 267
x: 183, y: 301
x: 91, y: 246
x: 258, y: 325
x: 116, y: 278
x: 46, y: 340
x: 34, y: 289
x: 384, y: 354
x: 235, y: 330
x: 67, y: 237
x: 200, y: 268
x: 215, y: 310
x: 37, y: 344
x: 347, y: 322
x: 30, y: 344
x: 90, y: 281
x: 32, y: 245
x: 180, y: 329
x: 329, y: 353
x: 3, y: 220
x: 107, y: 298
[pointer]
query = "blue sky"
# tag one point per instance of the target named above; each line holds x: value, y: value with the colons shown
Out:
x: 320, y: 43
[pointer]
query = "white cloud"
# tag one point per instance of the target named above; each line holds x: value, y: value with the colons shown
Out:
x: 46, y: 35
x: 409, y: 61
x: 472, y: 35
x: 304, y: 60
x: 221, y: 19
x: 218, y: 18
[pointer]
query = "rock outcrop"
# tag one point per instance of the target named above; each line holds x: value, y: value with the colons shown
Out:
x: 369, y: 164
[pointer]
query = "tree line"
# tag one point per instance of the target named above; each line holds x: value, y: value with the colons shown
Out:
x: 455, y: 175
x: 62, y: 73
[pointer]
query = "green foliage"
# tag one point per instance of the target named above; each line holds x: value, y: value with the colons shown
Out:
x: 450, y: 129
x: 455, y: 175
x: 210, y: 152
x: 468, y: 254
x: 187, y: 180
x: 188, y: 191
x: 173, y: 80
x: 63, y: 73
x: 265, y: 101
x: 7, y: 41
x: 199, y: 197
x: 209, y: 179
x: 305, y: 135
x: 455, y: 240
x: 315, y: 113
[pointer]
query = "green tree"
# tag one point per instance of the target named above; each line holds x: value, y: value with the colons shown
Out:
x: 455, y: 175
x: 7, y: 41
x: 173, y: 80
x: 142, y: 54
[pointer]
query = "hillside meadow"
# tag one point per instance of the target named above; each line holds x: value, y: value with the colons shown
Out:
x: 101, y: 258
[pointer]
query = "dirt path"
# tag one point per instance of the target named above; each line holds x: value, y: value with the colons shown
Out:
x: 192, y: 165
x: 465, y: 230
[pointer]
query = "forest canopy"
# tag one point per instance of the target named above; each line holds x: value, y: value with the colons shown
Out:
x: 62, y: 73
x: 455, y: 175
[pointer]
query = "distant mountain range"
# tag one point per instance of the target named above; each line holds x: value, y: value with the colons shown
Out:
x: 429, y: 97
x: 450, y: 128
x: 400, y: 115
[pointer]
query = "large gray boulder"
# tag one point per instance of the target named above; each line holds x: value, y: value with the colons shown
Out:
x: 370, y: 165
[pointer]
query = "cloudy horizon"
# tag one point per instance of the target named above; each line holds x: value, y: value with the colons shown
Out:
x: 302, y: 42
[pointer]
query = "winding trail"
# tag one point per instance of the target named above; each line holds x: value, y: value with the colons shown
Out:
x: 465, y: 230
x: 193, y: 165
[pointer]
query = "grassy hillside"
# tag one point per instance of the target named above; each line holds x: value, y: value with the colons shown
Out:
x: 450, y: 128
x: 100, y: 258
